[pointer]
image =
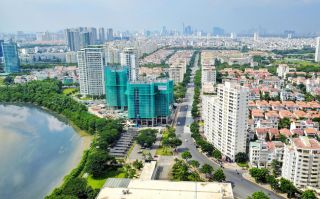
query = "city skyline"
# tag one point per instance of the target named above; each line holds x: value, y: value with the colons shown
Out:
x: 234, y: 16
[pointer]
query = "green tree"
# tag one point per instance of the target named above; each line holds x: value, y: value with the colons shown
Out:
x: 76, y: 187
x: 219, y: 176
x: 284, y: 123
x: 97, y: 163
x: 274, y: 183
x: 241, y: 157
x: 276, y: 167
x: 260, y: 175
x: 217, y: 154
x: 137, y: 164
x: 186, y: 155
x: 287, y: 186
x: 147, y: 137
x: 258, y: 195
x: 308, y: 194
x: 206, y: 169
x: 194, y: 163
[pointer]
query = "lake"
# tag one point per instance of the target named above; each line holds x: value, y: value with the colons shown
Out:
x: 36, y: 151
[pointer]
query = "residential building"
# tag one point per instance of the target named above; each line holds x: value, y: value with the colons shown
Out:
x: 261, y: 153
x: 163, y: 189
x: 176, y: 73
x: 73, y: 39
x: 227, y: 122
x: 102, y: 37
x: 208, y: 74
x: 109, y: 34
x: 128, y: 57
x: 1, y: 52
x: 301, y: 162
x: 93, y: 35
x: 91, y: 76
x: 317, y: 54
x: 10, y: 57
x: 84, y: 39
x: 71, y: 57
x: 116, y: 79
x: 282, y: 70
x: 149, y: 102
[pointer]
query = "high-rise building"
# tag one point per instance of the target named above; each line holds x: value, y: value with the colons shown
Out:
x: 112, y: 55
x: 208, y: 74
x: 93, y: 36
x: 255, y: 36
x: 10, y: 57
x: 301, y: 163
x: 84, y: 40
x: 1, y: 52
x: 102, y: 38
x: 149, y: 103
x: 217, y: 31
x: 110, y: 34
x: 225, y: 119
x: 116, y: 79
x: 128, y: 57
x: 73, y: 39
x: 91, y: 75
x: 317, y: 55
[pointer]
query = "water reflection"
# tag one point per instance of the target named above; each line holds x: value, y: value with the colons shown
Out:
x: 36, y: 151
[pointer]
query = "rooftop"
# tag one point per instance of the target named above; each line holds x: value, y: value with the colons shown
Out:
x: 162, y: 189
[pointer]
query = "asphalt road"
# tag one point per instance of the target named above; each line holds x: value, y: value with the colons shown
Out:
x: 241, y: 187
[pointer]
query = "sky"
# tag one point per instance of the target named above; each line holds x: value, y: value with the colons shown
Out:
x: 232, y: 15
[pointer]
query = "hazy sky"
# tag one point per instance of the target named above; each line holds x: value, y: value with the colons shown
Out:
x: 233, y: 15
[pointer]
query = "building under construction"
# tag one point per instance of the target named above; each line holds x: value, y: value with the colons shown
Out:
x: 116, y: 85
x: 149, y: 102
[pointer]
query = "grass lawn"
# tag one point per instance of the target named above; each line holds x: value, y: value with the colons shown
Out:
x: 244, y: 165
x: 165, y: 151
x: 1, y: 81
x: 69, y: 91
x: 98, y: 183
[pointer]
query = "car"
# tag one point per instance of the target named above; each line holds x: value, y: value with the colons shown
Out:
x: 186, y: 140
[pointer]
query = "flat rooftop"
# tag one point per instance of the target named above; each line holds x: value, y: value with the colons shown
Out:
x: 116, y: 188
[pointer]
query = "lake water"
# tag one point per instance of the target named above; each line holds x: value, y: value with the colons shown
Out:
x: 36, y: 151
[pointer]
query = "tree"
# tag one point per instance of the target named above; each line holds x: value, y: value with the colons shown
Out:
x: 8, y: 80
x: 129, y: 172
x: 137, y: 164
x: 241, y: 157
x: 186, y: 155
x: 217, y: 154
x: 194, y: 163
x: 308, y: 194
x: 287, y: 186
x: 180, y: 171
x: 258, y: 195
x: 76, y: 187
x: 274, y: 183
x: 206, y: 169
x: 276, y: 167
x: 260, y: 175
x: 97, y: 162
x: 284, y: 123
x: 219, y: 176
x: 267, y: 139
x: 147, y: 137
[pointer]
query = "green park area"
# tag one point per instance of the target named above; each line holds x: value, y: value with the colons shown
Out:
x: 97, y: 183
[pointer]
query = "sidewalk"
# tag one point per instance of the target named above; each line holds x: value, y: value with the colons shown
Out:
x: 247, y: 176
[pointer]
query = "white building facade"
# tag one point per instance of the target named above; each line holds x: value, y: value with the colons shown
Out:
x: 128, y: 57
x: 226, y: 122
x: 317, y: 55
x: 208, y: 74
x: 91, y: 75
x: 301, y: 162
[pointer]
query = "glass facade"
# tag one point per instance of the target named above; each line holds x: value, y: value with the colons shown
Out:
x: 11, y: 57
x: 149, y: 100
x: 116, y: 79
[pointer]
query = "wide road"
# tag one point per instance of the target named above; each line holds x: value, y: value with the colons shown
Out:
x: 241, y: 187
